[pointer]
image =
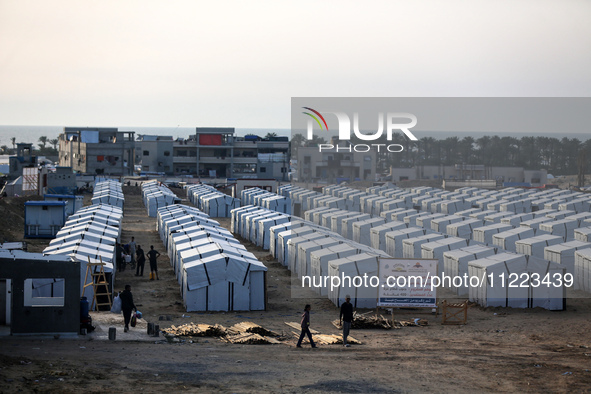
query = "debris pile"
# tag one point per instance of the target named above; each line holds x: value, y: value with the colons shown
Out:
x: 196, y: 330
x: 365, y: 320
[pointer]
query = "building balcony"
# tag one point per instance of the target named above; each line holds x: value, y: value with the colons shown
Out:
x: 184, y: 160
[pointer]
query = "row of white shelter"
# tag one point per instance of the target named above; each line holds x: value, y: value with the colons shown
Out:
x: 214, y: 270
x: 416, y: 223
x: 108, y: 191
x: 156, y: 195
x: 311, y: 252
x: 91, y: 233
x: 211, y: 201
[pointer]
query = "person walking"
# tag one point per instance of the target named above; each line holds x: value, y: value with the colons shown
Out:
x: 152, y: 256
x: 132, y: 250
x: 141, y: 260
x: 306, y: 327
x: 346, y: 318
x: 127, y: 305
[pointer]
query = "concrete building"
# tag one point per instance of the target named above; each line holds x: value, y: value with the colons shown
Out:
x: 334, y: 167
x: 216, y: 153
x: 97, y: 151
x: 155, y: 153
x: 470, y: 171
x: 24, y: 158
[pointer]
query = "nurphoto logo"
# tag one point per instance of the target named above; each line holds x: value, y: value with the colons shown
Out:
x: 395, y: 121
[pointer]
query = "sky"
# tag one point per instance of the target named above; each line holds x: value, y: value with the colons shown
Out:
x: 222, y: 63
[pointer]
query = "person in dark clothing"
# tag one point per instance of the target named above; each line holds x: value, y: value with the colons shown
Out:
x: 141, y: 260
x: 152, y: 256
x: 127, y: 305
x: 119, y: 257
x: 306, y: 327
x: 346, y: 317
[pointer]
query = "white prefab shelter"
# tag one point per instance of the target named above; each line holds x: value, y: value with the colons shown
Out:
x: 411, y: 247
x: 535, y: 246
x: 378, y: 234
x: 337, y: 220
x: 293, y: 248
x: 159, y: 199
x: 465, y: 228
x: 455, y: 265
x: 224, y: 283
x: 504, y: 268
x: 362, y: 230
x: 319, y: 260
x: 354, y: 266
x: 74, y: 202
x: 485, y: 234
x: 516, y: 220
x: 394, y: 239
x: 411, y: 220
x: 582, y: 274
x: 436, y: 249
x: 564, y: 227
x: 497, y: 217
x: 560, y: 214
x: 440, y: 224
x: 397, y: 214
x: 564, y: 254
x: 43, y: 219
x: 425, y: 221
x: 583, y: 234
x: 506, y: 239
x: 264, y: 233
x: 306, y: 248
x: 347, y: 226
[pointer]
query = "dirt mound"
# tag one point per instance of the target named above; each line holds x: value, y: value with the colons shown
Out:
x: 12, y: 212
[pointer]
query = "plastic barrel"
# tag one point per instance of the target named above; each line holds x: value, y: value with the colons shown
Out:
x: 84, y: 306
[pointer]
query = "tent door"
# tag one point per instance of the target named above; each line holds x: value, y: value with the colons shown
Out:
x: 5, y: 303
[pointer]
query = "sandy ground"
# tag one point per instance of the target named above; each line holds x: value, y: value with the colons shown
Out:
x: 498, y: 350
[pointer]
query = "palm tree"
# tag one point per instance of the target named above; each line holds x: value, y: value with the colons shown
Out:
x: 271, y: 135
x: 54, y: 142
x: 43, y: 141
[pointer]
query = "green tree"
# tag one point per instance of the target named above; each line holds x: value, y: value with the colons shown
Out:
x: 271, y: 135
x: 54, y: 143
x: 43, y: 141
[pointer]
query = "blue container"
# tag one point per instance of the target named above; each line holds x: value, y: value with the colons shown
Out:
x: 84, y: 306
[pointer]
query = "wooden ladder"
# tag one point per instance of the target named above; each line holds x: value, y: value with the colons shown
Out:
x: 97, y: 279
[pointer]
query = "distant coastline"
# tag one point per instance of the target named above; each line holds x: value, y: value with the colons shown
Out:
x: 32, y: 133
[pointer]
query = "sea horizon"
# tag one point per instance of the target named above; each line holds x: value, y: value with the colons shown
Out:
x: 31, y: 134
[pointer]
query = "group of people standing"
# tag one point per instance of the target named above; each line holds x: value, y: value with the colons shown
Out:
x: 133, y: 254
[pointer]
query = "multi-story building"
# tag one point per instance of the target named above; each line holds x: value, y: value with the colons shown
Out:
x: 97, y: 151
x: 216, y: 153
x: 154, y: 153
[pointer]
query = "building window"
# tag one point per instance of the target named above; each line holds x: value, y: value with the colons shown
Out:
x: 263, y: 169
x: 307, y: 159
x: 44, y: 292
x: 181, y: 153
x: 166, y: 153
x: 146, y: 153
